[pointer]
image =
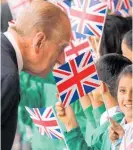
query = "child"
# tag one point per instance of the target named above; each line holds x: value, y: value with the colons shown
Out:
x: 126, y: 45
x: 108, y: 68
x: 114, y: 29
x: 123, y: 133
x: 74, y: 137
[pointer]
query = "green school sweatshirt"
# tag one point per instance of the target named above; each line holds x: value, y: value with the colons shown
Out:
x: 99, y: 139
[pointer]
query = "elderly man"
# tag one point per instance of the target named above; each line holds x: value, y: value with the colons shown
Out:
x: 34, y: 44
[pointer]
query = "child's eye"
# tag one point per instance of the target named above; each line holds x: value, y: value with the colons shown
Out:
x: 122, y: 91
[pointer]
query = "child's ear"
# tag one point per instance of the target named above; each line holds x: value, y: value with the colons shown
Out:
x: 104, y: 87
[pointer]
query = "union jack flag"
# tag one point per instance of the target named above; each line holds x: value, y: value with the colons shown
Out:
x: 89, y: 18
x: 64, y: 5
x: 123, y: 12
x: 76, y: 78
x: 76, y: 35
x: 122, y: 4
x: 77, y: 47
x: 45, y: 119
x: 110, y: 4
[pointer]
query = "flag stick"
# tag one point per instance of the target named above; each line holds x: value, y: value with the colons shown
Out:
x: 106, y: 107
x: 98, y: 48
x: 105, y: 103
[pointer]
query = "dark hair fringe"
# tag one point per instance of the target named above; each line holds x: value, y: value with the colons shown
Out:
x: 128, y: 39
x: 126, y: 71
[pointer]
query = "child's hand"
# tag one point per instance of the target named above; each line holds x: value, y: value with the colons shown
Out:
x: 115, y: 131
x: 67, y: 116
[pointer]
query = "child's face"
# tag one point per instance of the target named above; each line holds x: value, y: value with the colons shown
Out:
x: 124, y: 96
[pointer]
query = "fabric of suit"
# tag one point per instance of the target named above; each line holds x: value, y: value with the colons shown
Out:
x: 5, y: 16
x: 10, y: 96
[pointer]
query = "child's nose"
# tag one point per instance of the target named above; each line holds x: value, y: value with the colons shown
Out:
x: 128, y: 96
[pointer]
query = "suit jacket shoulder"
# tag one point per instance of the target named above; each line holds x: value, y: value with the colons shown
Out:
x: 9, y: 93
x: 5, y: 16
x: 8, y: 57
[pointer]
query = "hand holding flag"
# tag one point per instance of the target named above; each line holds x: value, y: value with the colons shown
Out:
x: 67, y: 116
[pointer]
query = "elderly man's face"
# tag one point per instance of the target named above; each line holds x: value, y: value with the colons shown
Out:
x: 50, y: 52
x: 54, y: 54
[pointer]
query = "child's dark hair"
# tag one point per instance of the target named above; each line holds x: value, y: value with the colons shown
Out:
x: 114, y: 30
x: 128, y: 39
x: 108, y: 68
x: 126, y: 71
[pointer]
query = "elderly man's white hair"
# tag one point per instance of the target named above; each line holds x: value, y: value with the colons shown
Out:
x: 42, y: 16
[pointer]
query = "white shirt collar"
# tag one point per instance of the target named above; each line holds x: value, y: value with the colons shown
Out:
x: 126, y: 125
x: 112, y: 111
x: 17, y: 50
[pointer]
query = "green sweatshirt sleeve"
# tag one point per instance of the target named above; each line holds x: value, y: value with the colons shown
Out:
x: 90, y: 124
x: 89, y: 115
x: 97, y: 114
x: 75, y: 140
x: 99, y: 140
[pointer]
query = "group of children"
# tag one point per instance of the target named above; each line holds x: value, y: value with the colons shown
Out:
x: 108, y: 109
x: 114, y: 133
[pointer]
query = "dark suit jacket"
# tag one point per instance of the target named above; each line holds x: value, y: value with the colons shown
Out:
x: 5, y: 16
x: 9, y: 93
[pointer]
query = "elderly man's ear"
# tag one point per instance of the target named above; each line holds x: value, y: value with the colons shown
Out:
x: 38, y: 41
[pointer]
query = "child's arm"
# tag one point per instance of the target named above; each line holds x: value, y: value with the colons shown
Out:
x: 67, y: 116
x: 87, y: 107
x: 85, y: 102
x: 98, y: 105
x: 74, y: 137
x: 90, y: 120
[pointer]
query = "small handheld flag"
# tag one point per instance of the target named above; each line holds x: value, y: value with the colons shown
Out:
x: 45, y: 120
x: 76, y: 78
